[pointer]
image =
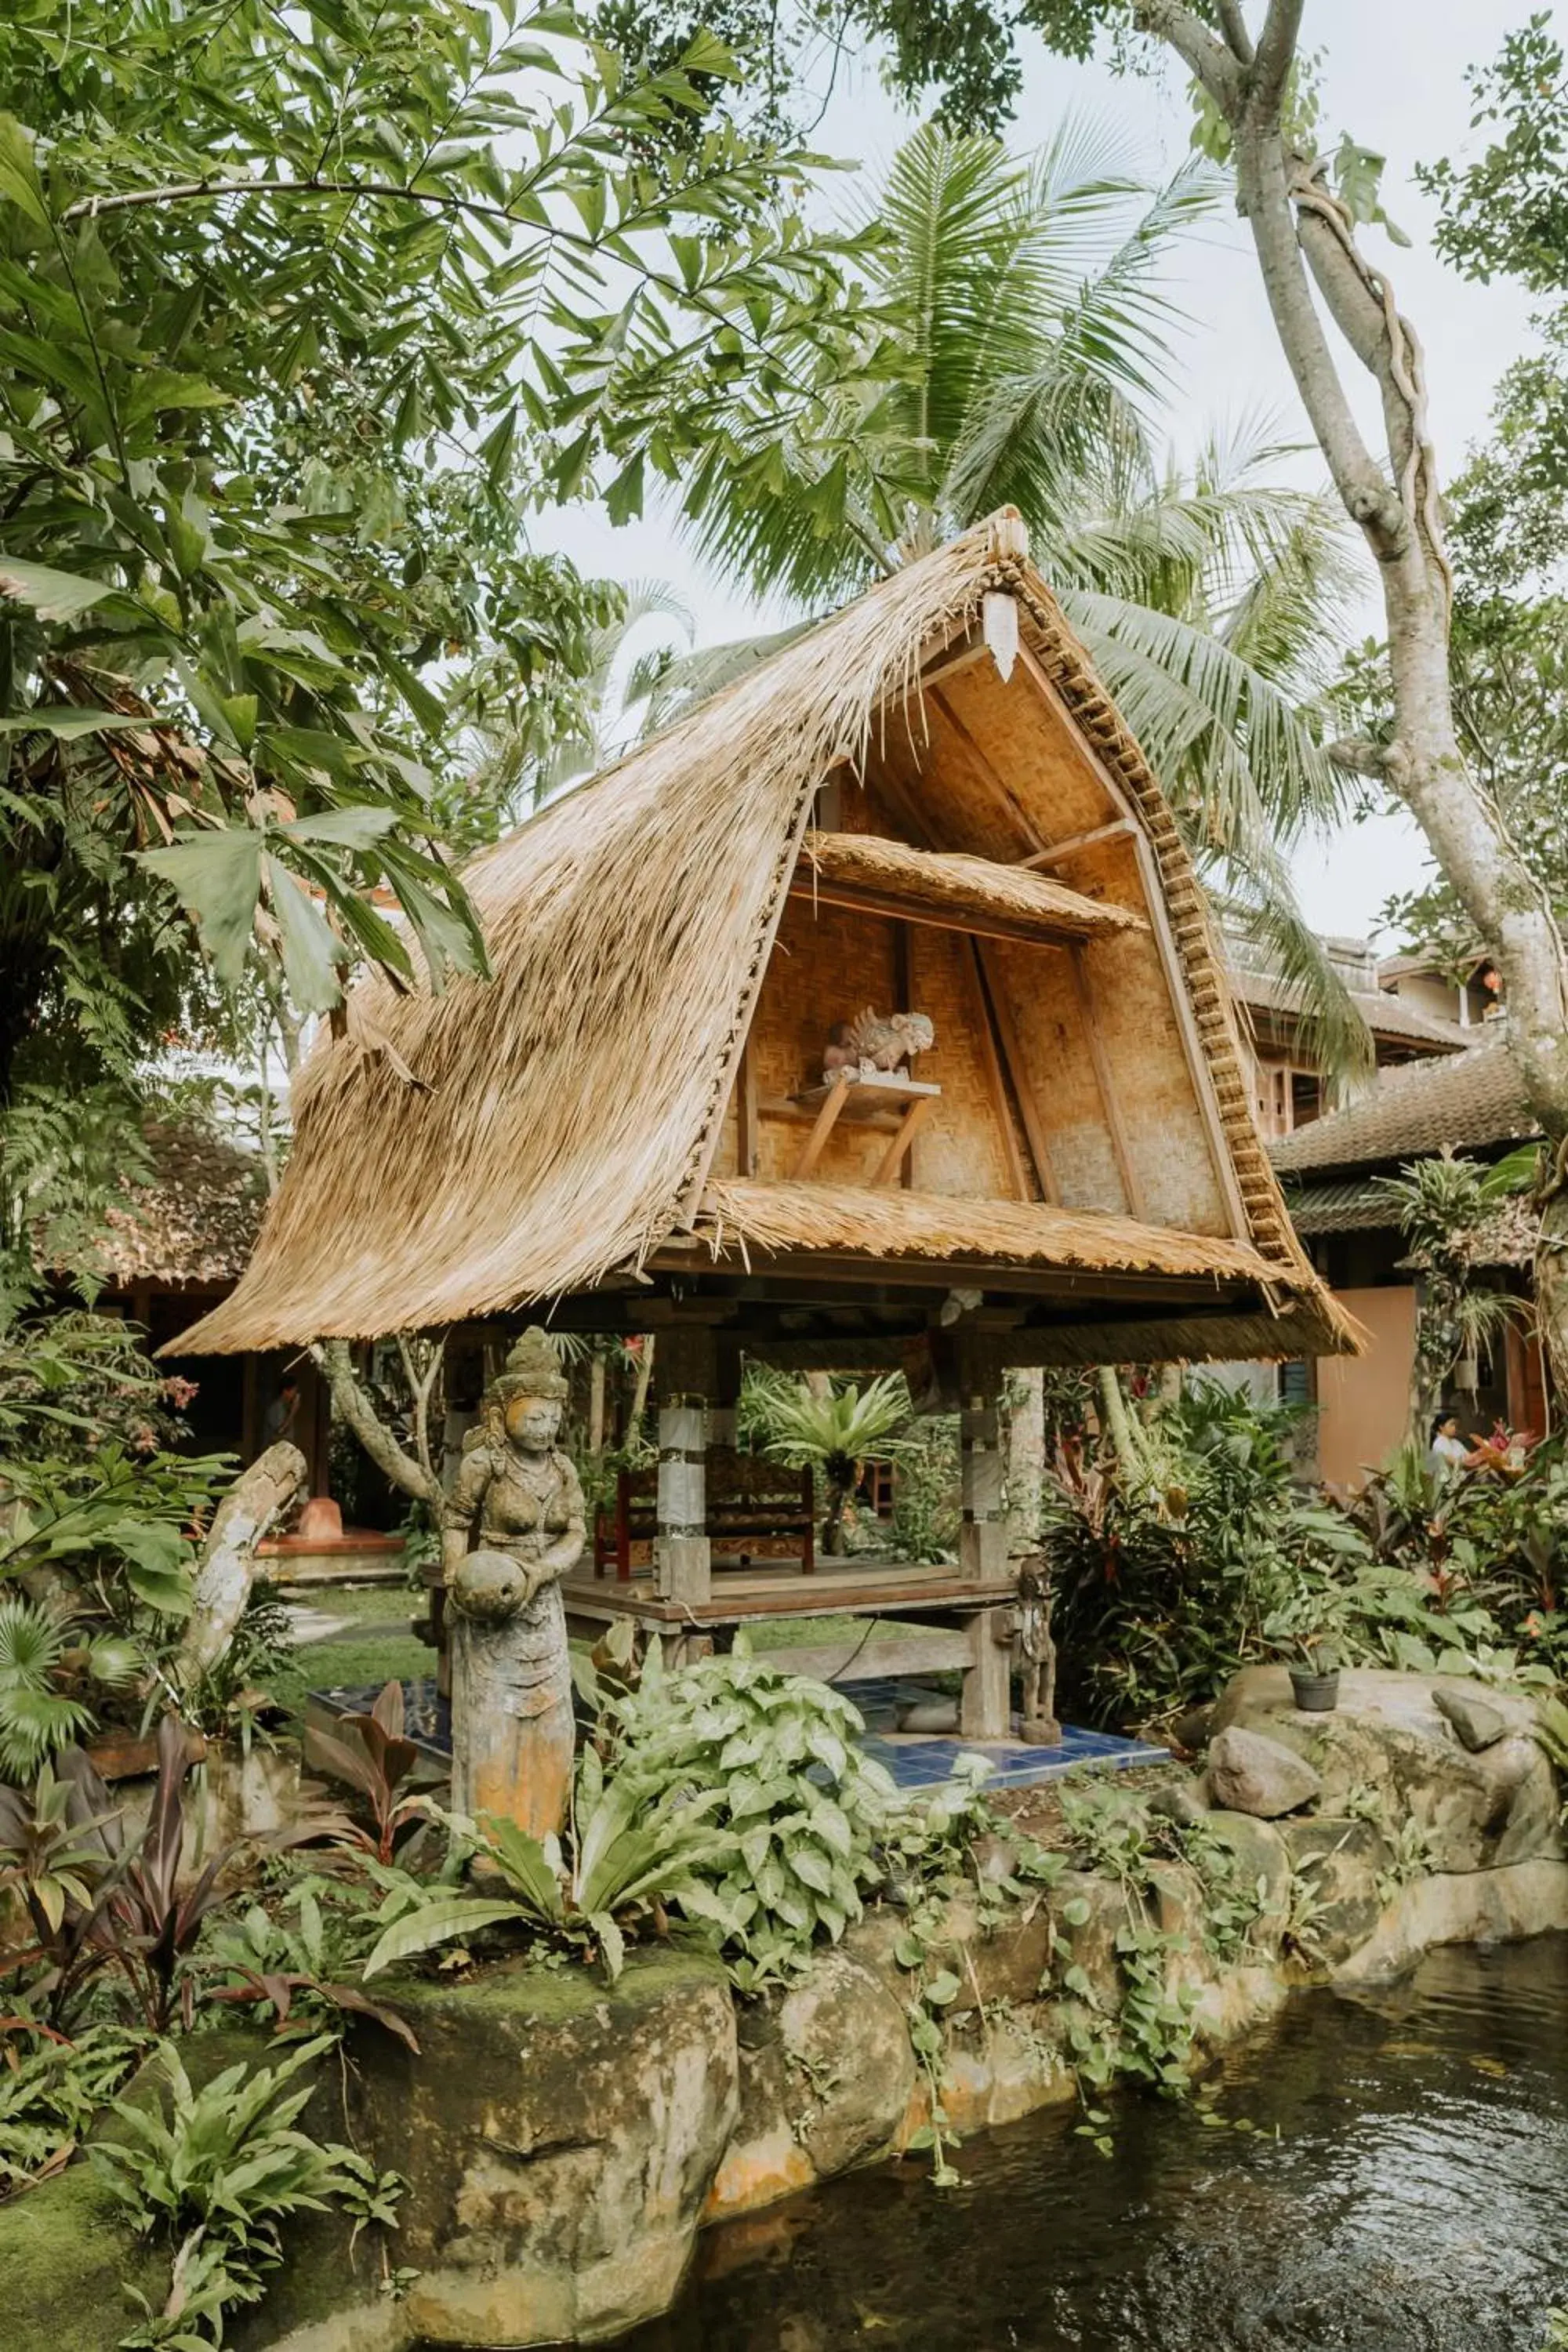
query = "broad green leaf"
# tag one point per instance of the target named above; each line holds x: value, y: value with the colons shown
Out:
x: 217, y: 875
x: 19, y: 181
x: 358, y: 827
x: 53, y: 596
x: 64, y: 720
x: 312, y: 953
x: 442, y: 1922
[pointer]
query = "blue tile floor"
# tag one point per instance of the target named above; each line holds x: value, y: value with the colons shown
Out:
x: 915, y: 1761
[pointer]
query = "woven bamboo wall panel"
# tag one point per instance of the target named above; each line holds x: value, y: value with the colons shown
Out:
x: 827, y: 965
x: 1027, y: 743
x: 960, y: 1149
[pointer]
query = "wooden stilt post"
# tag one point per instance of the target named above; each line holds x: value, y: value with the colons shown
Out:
x: 985, y: 1706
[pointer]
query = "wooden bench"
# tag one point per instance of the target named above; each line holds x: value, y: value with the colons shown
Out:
x: 751, y: 1501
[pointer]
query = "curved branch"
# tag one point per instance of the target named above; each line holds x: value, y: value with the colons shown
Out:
x: 1267, y: 201
x: 350, y: 1400
x: 1210, y: 60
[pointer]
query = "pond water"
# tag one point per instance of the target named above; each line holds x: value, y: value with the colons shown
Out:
x: 1405, y: 2189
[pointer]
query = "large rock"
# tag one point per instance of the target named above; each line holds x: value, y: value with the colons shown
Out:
x: 825, y: 2078
x: 1341, y: 1862
x: 1249, y: 1773
x: 1478, y: 1724
x: 1472, y: 1907
x: 1262, y: 1868
x: 1389, y: 1745
x: 559, y: 2137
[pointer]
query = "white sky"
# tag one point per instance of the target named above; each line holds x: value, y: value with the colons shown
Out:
x: 1392, y: 74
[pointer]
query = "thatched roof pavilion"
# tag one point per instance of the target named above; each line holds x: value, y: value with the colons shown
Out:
x: 927, y: 805
x: 874, y: 816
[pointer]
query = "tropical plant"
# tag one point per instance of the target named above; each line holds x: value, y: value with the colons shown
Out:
x: 294, y: 1957
x: 149, y: 1918
x: 776, y: 1754
x: 375, y: 1758
x: 51, y: 2091
x: 269, y: 423
x: 36, y: 1716
x: 214, y: 2172
x: 1035, y: 345
x: 1450, y: 1210
x: 521, y: 760
x: 628, y: 1859
x: 833, y: 1431
x: 53, y: 1862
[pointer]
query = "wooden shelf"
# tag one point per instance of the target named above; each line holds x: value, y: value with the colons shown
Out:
x: 864, y: 1098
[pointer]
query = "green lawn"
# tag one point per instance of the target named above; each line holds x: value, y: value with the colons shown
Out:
x: 376, y: 1647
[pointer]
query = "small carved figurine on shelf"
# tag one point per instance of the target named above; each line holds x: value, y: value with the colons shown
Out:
x: 1038, y: 1724
x: 876, y: 1043
x: 517, y: 1500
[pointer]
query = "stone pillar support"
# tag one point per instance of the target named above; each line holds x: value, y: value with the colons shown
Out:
x: 684, y: 1374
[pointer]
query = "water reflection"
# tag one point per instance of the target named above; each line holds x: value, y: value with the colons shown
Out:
x: 1405, y: 2189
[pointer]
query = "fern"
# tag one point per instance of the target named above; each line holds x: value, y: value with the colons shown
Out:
x: 34, y: 1718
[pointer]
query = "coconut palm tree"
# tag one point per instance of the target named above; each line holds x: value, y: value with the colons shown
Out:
x: 519, y: 762
x: 1017, y: 344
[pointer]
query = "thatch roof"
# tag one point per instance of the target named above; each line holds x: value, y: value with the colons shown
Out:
x: 1385, y: 1014
x: 1463, y: 1103
x: 865, y: 869
x: 568, y: 1111
x: 882, y: 1222
x: 194, y: 1221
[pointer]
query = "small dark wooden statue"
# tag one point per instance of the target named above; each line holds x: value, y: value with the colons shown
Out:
x: 876, y: 1043
x: 1038, y: 1727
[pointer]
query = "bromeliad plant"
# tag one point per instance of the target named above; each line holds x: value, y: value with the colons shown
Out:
x: 629, y: 1857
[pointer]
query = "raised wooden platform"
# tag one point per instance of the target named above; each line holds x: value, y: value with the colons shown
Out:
x: 956, y: 1623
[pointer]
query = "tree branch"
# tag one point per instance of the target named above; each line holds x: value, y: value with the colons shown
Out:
x: 1266, y: 200
x: 1211, y: 61
x: 1275, y: 56
x: 350, y: 1400
x: 1361, y: 755
x: 1233, y: 24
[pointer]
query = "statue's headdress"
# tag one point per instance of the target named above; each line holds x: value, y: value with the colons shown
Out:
x: 532, y: 1370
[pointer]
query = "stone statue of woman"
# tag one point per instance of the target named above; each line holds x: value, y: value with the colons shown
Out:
x: 514, y: 1523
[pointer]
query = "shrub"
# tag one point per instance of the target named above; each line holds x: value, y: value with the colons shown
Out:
x: 777, y: 1753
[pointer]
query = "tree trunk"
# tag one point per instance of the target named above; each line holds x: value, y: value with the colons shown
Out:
x: 1298, y: 225
x: 350, y: 1401
x: 249, y: 1511
x: 596, y: 1403
x: 1026, y: 1457
x: 640, y: 1394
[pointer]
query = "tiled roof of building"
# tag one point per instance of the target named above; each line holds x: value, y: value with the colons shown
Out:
x: 1385, y: 1016
x: 196, y: 1221
x: 1360, y: 1206
x: 1355, y: 1205
x: 1465, y: 1101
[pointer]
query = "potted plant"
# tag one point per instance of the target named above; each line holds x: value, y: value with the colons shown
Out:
x: 1315, y: 1676
x: 1306, y: 1633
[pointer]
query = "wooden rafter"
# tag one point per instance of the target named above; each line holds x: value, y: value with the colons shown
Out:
x: 1061, y: 850
x: 1017, y: 1068
x: 996, y: 1084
